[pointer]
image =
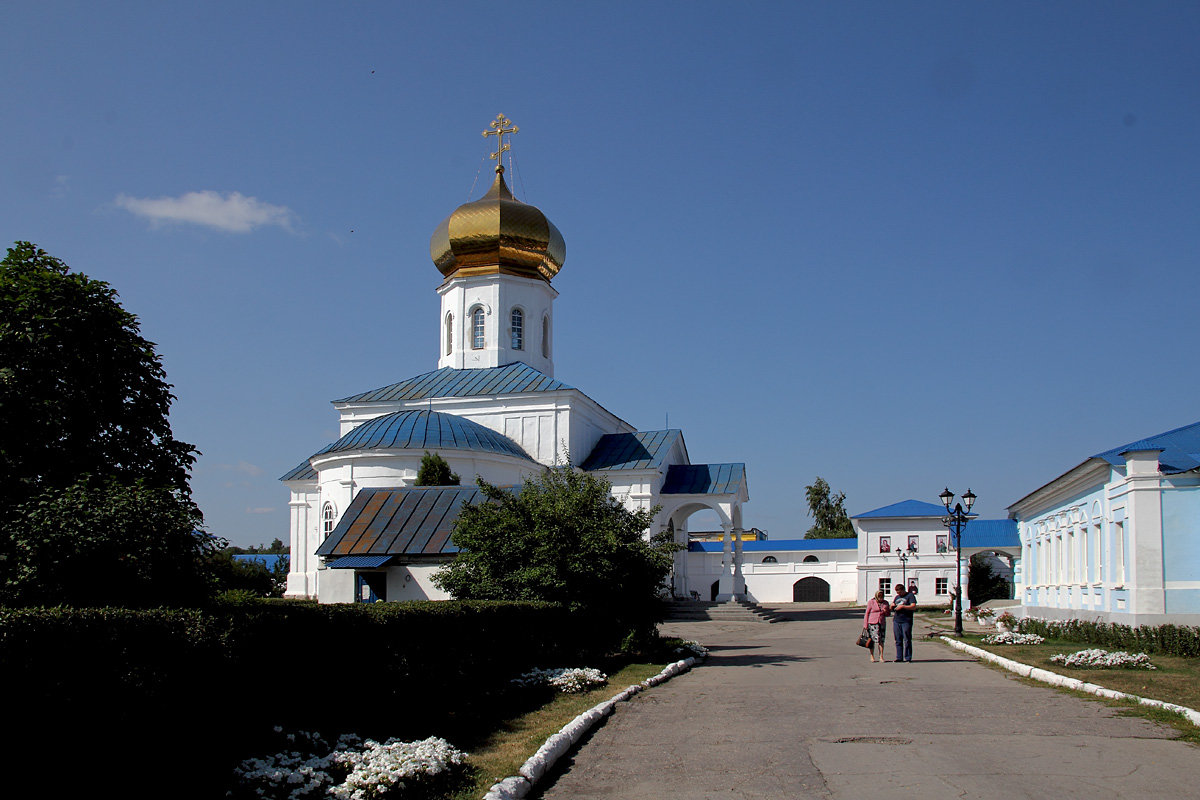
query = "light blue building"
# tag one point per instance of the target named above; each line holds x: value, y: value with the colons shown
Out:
x: 1116, y: 537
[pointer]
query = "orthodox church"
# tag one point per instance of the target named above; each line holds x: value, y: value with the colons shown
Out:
x: 361, y: 531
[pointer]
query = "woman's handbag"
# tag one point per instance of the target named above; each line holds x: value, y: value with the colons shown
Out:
x: 864, y: 638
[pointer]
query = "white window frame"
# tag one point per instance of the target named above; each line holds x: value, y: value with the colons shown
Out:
x: 517, y: 328
x: 478, y: 328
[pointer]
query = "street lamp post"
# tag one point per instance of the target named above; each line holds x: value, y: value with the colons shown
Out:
x: 904, y: 556
x: 955, y: 521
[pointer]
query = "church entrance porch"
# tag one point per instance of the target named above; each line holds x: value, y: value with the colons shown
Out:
x: 810, y: 590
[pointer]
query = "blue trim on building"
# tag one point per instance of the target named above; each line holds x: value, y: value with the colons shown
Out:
x: 905, y: 508
x: 990, y: 533
x: 268, y: 560
x: 779, y: 545
x: 359, y: 562
x: 1179, y: 450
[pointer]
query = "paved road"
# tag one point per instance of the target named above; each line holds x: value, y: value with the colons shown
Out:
x: 795, y: 710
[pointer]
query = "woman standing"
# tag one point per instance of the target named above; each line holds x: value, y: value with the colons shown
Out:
x: 877, y: 611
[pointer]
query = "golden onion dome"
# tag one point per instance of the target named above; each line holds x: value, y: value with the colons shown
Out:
x: 498, y: 234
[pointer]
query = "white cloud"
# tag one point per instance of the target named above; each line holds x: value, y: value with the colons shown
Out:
x: 233, y: 212
x: 260, y: 510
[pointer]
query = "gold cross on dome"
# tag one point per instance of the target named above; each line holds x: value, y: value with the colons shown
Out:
x: 499, y: 129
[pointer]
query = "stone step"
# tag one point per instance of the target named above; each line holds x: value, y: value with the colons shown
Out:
x: 732, y: 611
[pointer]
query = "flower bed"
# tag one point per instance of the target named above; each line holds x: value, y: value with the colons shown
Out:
x: 692, y: 648
x: 350, y: 770
x: 569, y: 680
x: 1008, y: 637
x: 1104, y: 659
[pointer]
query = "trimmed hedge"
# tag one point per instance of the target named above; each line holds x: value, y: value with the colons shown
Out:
x: 1175, y: 640
x: 169, y: 687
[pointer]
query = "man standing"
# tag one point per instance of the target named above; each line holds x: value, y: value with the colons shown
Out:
x: 902, y: 621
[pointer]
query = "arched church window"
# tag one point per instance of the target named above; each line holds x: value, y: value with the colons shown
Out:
x: 518, y: 329
x: 449, y: 333
x: 546, y: 336
x: 328, y: 517
x: 770, y: 560
x: 810, y: 559
x: 477, y: 340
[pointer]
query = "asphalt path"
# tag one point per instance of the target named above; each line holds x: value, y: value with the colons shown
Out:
x: 796, y: 710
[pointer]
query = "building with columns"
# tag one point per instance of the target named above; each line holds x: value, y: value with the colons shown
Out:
x: 1115, y: 538
x: 493, y: 408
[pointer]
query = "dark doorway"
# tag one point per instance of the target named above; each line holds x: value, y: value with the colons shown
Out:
x: 714, y: 590
x: 370, y: 587
x: 810, y: 590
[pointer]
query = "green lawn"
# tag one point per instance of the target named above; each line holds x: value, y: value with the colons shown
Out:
x: 1177, y: 679
x: 500, y: 752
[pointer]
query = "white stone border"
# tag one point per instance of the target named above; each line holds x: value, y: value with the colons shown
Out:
x: 559, y: 744
x: 1053, y: 678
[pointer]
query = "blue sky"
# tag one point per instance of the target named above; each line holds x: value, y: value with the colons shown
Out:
x: 897, y: 245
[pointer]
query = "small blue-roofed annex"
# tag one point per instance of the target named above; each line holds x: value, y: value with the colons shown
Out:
x: 1115, y: 538
x: 914, y: 529
x: 361, y: 531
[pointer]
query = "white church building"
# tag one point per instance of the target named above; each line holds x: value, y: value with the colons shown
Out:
x: 361, y: 530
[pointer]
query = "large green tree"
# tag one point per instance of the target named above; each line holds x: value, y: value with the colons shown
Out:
x: 96, y: 507
x: 81, y: 391
x: 563, y: 538
x: 828, y: 512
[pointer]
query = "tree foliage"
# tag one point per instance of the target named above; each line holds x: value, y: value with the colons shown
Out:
x: 108, y: 544
x: 984, y: 583
x: 562, y: 538
x: 435, y: 471
x: 828, y: 512
x: 93, y: 485
x: 81, y: 392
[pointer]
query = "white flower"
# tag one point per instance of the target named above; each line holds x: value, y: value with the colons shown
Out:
x: 570, y: 680
x: 1103, y: 659
x: 1008, y: 637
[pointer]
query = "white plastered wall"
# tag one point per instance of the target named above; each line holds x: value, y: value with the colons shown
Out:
x: 497, y: 295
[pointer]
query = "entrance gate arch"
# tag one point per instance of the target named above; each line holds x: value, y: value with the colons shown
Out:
x: 810, y: 590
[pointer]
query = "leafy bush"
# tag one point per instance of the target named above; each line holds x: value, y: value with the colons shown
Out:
x: 163, y: 681
x: 1176, y: 640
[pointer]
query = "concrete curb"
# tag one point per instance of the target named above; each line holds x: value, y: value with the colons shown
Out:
x: 1054, y: 679
x: 559, y: 744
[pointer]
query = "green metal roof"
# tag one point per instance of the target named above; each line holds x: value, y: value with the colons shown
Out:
x: 424, y: 430
x: 515, y: 378
x: 640, y: 450
x: 704, y: 479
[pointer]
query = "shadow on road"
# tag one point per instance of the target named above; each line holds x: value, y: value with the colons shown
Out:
x: 752, y: 660
x: 798, y: 614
